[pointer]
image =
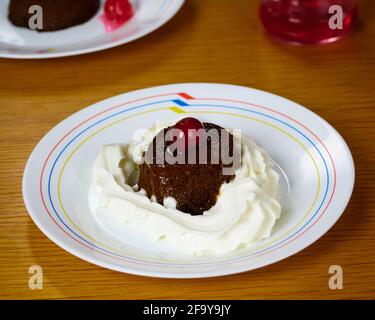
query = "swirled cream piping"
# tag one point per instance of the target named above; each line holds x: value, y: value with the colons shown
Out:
x: 245, y: 212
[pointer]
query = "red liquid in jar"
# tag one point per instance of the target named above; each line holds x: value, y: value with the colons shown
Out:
x: 306, y: 21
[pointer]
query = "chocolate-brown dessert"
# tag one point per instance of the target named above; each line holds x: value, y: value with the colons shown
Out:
x: 57, y: 14
x: 195, y: 187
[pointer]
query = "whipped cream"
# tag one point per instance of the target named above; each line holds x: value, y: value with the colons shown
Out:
x: 245, y: 212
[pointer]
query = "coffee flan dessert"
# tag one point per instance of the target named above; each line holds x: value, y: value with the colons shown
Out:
x: 194, y: 185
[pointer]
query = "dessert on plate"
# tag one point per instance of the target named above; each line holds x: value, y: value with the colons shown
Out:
x: 57, y: 14
x: 195, y: 186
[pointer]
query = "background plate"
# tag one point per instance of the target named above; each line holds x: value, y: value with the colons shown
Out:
x: 20, y: 43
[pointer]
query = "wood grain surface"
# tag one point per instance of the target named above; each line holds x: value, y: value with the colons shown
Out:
x: 207, y: 41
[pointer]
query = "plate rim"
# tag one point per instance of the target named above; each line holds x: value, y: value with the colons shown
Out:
x: 242, y: 267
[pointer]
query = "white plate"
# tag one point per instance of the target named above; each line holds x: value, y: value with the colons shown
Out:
x: 21, y: 43
x: 318, y: 164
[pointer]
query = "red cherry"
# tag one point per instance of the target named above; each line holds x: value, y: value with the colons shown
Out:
x: 119, y: 11
x: 188, y: 131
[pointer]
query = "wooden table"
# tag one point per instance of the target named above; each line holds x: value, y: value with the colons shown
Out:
x: 208, y: 41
